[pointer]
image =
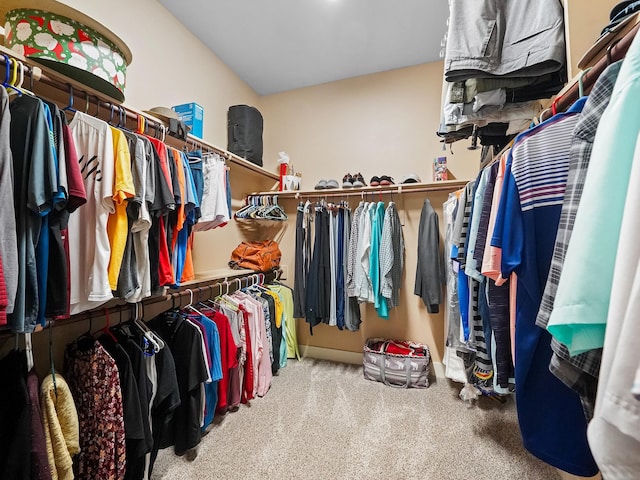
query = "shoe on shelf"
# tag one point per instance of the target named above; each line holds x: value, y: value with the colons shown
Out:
x: 332, y: 184
x: 358, y: 180
x: 410, y: 178
x: 321, y: 185
x: 374, y: 182
x: 386, y: 180
x: 347, y: 181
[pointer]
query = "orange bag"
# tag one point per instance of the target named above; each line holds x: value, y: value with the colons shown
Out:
x: 259, y: 256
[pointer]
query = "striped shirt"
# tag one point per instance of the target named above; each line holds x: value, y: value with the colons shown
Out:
x: 550, y: 415
x: 575, y: 371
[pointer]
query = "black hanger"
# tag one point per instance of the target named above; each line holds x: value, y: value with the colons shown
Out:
x: 86, y: 341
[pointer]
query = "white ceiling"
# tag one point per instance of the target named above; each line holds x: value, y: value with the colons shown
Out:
x: 280, y: 45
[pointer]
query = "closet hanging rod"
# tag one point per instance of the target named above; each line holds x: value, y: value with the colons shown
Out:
x: 616, y: 51
x: 189, y: 292
x: 444, y: 186
x: 82, y: 93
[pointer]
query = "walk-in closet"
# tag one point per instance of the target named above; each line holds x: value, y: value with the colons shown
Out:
x: 320, y: 239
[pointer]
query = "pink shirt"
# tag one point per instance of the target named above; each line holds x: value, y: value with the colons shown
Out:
x: 493, y: 255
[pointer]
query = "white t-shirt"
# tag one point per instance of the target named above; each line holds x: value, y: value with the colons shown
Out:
x: 89, y: 249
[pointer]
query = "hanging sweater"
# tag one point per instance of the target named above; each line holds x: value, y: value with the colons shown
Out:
x: 61, y: 428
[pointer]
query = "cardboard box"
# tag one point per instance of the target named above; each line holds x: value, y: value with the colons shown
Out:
x: 192, y: 115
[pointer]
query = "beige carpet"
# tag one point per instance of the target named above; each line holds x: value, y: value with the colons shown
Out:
x: 322, y: 420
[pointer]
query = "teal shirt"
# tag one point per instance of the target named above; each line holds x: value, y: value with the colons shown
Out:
x: 380, y: 302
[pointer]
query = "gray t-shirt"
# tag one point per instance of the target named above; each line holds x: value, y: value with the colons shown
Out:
x: 35, y: 183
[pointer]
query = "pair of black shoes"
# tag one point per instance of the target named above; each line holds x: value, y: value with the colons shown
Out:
x: 353, y: 181
x: 384, y: 180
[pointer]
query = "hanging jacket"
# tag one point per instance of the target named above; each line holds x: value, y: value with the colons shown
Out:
x: 429, y: 273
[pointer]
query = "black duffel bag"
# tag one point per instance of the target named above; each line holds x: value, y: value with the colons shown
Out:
x: 244, y: 132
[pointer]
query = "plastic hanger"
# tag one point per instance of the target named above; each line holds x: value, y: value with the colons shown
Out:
x: 7, y: 75
x: 69, y: 108
x: 146, y: 332
x: 28, y: 348
x: 113, y: 110
x: 97, y: 114
x: 21, y: 81
x: 106, y: 329
x: 274, y: 211
x: 190, y: 304
x: 581, y: 83
x: 86, y: 340
x: 51, y: 364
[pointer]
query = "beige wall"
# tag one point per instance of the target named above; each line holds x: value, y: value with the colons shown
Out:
x: 584, y: 20
x: 376, y: 124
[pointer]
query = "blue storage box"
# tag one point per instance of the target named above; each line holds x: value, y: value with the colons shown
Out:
x: 192, y: 115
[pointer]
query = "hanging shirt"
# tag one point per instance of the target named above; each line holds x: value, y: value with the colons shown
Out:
x: 363, y: 286
x: 493, y: 255
x: 214, y: 208
x: 93, y: 379
x: 391, y: 256
x: 165, y: 203
x: 138, y: 268
x: 301, y: 270
x: 340, y: 269
x: 52, y: 291
x: 332, y: 268
x: 380, y: 302
x: 550, y: 415
x: 579, y: 372
x: 471, y: 268
x: 89, y: 247
x: 8, y: 240
x: 123, y: 189
x: 614, y: 432
x: 35, y: 182
x: 352, y: 256
x: 185, y: 343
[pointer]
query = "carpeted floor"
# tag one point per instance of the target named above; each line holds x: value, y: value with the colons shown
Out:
x: 322, y: 420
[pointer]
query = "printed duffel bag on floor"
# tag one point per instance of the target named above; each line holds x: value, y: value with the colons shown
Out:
x: 396, y: 363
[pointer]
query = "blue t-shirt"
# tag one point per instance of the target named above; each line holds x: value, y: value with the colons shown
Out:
x: 550, y: 414
x: 211, y: 389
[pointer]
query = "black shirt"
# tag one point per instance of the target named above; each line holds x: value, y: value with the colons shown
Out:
x: 185, y: 342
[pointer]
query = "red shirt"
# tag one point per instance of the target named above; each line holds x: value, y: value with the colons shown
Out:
x: 228, y: 357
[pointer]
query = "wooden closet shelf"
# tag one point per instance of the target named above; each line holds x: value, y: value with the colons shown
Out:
x: 444, y: 186
x: 82, y: 93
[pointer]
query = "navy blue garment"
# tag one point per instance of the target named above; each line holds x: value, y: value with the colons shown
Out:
x: 318, y: 293
x: 550, y: 414
x: 340, y: 272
